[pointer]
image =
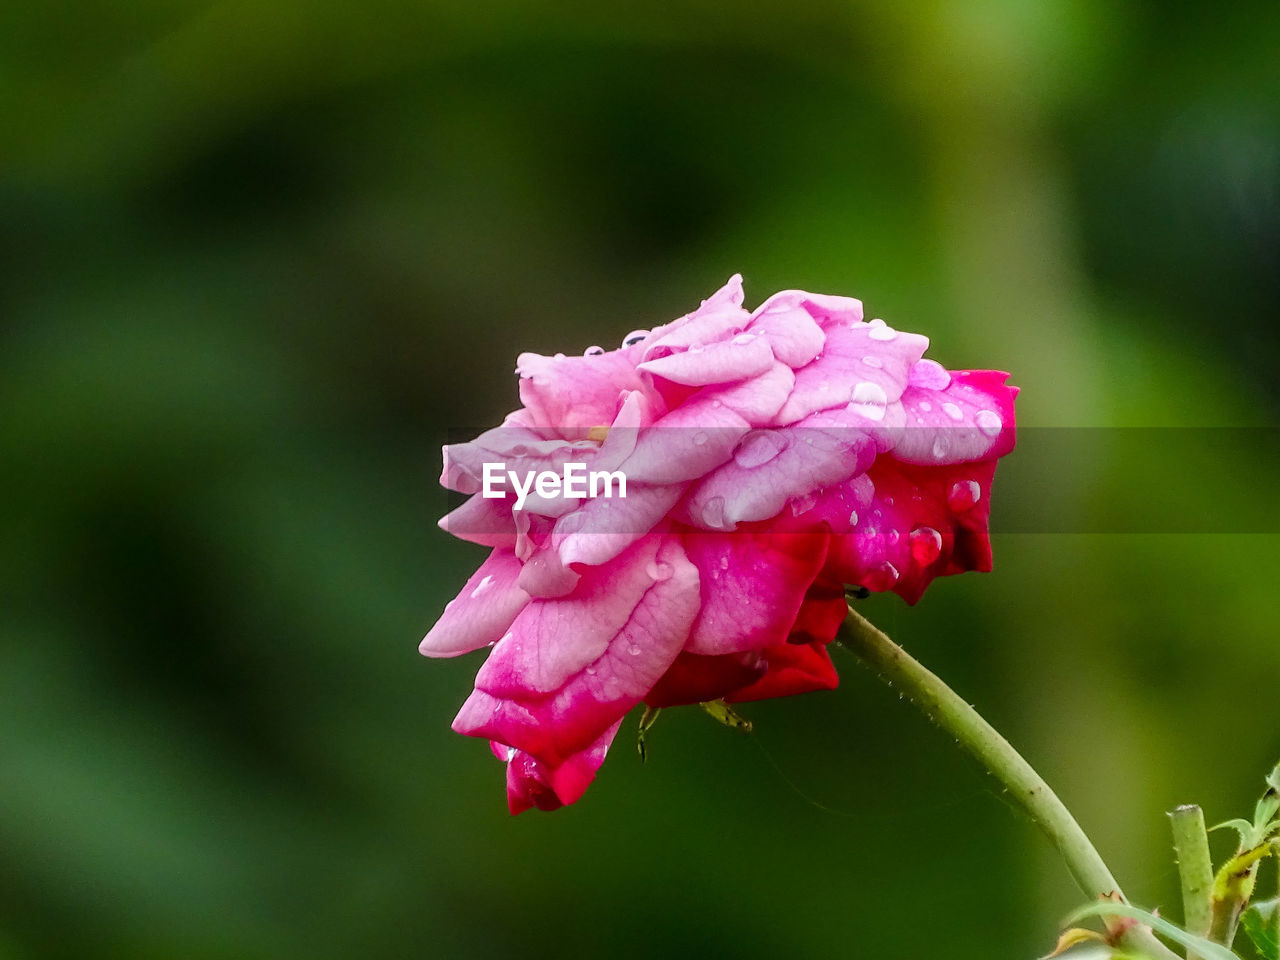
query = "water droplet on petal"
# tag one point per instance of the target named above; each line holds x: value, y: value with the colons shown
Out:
x: 926, y: 545
x: 713, y: 513
x: 989, y: 422
x: 929, y: 375
x: 963, y: 495
x: 952, y: 411
x: 634, y: 337
x: 482, y: 586
x: 803, y: 504
x: 893, y: 537
x: 926, y: 406
x: 875, y: 363
x: 880, y: 331
x: 591, y: 671
x: 634, y: 650
x: 743, y: 339
x: 758, y: 447
x: 724, y: 563
x: 660, y: 571
x: 511, y: 754
x: 593, y: 351
x: 559, y: 356
x: 700, y: 438
x: 853, y: 518
x: 869, y: 400
x: 940, y: 446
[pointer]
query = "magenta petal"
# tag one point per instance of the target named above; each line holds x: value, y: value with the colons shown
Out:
x: 576, y: 666
x: 533, y: 784
x: 752, y: 586
x: 482, y: 612
x: 967, y: 417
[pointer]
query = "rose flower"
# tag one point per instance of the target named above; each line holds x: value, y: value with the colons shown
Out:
x: 744, y: 468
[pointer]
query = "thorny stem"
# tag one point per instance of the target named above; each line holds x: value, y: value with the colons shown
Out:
x: 1028, y: 790
x: 1195, y: 868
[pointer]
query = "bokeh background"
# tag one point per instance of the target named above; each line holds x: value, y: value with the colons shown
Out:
x: 258, y: 259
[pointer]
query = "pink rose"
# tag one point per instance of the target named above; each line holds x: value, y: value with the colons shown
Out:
x: 770, y: 458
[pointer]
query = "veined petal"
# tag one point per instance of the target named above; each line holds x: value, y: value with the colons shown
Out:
x: 488, y: 604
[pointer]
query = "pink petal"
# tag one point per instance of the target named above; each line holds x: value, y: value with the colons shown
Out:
x: 558, y: 681
x: 687, y: 443
x: 852, y: 357
x: 573, y: 394
x: 752, y: 585
x: 772, y: 467
x: 955, y: 418
x: 793, y: 334
x: 488, y: 604
x: 483, y: 520
x: 745, y: 355
x: 531, y: 783
x: 602, y: 528
x: 758, y: 399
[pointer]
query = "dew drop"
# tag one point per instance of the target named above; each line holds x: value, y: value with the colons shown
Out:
x: 700, y: 438
x: 880, y: 331
x: 743, y: 339
x: 634, y: 337
x: 940, y: 447
x: 724, y: 563
x: 593, y: 351
x: 482, y: 586
x: 660, y: 571
x: 511, y: 754
x: 926, y: 545
x: 875, y: 363
x: 591, y: 671
x: 952, y: 411
x: 559, y: 356
x: 758, y: 447
x: 634, y: 650
x: 989, y: 422
x: 713, y: 513
x: 963, y: 495
x: 926, y: 406
x: 869, y: 399
x: 801, y: 505
x: 853, y: 518
x: 929, y: 375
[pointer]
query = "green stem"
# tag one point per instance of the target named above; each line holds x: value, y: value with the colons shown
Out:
x: 948, y: 710
x: 1195, y: 867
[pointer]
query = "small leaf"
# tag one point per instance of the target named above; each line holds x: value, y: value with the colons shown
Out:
x: 1259, y: 923
x: 1205, y: 948
x: 1073, y: 938
x: 1243, y: 827
x: 723, y: 713
x: 1273, y: 778
x: 647, y: 720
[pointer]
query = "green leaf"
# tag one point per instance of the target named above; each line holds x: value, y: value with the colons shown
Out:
x: 1241, y: 826
x: 1259, y: 923
x: 1273, y: 778
x: 1205, y: 948
x: 647, y: 720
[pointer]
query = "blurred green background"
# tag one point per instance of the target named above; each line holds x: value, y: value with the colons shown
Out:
x: 257, y: 260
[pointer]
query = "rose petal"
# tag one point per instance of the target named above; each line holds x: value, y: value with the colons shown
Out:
x: 489, y: 603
